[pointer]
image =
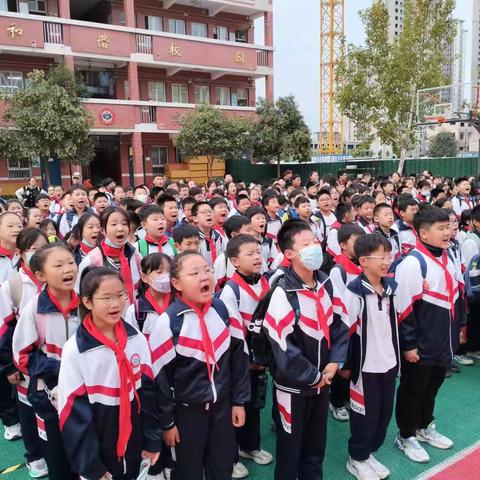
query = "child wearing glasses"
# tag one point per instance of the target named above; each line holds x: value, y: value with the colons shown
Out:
x: 373, y: 357
x: 211, y: 240
x: 201, y: 370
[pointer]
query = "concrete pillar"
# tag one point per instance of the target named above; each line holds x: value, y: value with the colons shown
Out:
x: 268, y: 24
x: 138, y: 172
x: 64, y: 8
x: 129, y: 8
x: 69, y: 62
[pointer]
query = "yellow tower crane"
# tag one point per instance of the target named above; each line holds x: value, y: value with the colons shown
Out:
x: 331, y: 50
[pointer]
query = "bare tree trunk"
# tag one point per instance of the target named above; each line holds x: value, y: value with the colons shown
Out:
x: 405, y: 136
x: 278, y: 167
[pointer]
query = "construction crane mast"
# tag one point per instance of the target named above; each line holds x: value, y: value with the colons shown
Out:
x: 331, y: 50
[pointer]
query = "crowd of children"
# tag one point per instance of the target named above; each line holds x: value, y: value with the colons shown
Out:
x: 139, y: 328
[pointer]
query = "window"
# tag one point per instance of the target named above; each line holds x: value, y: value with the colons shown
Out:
x: 157, y: 91
x: 199, y: 30
x: 11, y: 82
x: 220, y: 33
x: 154, y: 23
x: 37, y: 6
x: 3, y: 5
x: 159, y: 157
x: 176, y: 26
x: 240, y: 97
x: 241, y: 36
x: 179, y: 93
x: 223, y: 96
x: 19, y: 169
x: 202, y: 94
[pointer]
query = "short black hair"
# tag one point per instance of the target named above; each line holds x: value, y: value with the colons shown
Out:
x: 42, y: 196
x: 163, y: 199
x: 363, y: 199
x: 131, y: 204
x: 405, y: 201
x: 287, y: 232
x: 435, y: 192
x: 365, y: 245
x: 347, y: 230
x: 188, y: 201
x: 475, y: 213
x: 295, y: 192
x: 217, y: 201
x: 428, y: 215
x: 194, y: 191
x: 100, y: 195
x: 148, y: 210
x: 268, y: 196
x: 459, y: 180
x: 77, y: 187
x: 323, y: 191
x: 234, y: 244
x: 423, y: 183
x: 342, y: 209
x: 255, y: 210
x: 197, y: 205
x: 381, y: 206
x: 299, y: 200
x: 241, y: 196
x: 182, y: 232
x: 234, y: 224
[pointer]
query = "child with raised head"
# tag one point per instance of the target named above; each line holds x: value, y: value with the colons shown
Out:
x: 107, y: 421
x: 33, y: 218
x: 42, y: 202
x: 345, y: 214
x: 407, y: 208
x: 186, y: 237
x: 115, y: 252
x: 430, y: 312
x: 16, y: 206
x: 304, y: 211
x: 187, y: 204
x: 44, y: 326
x: 307, y: 329
x: 324, y: 209
x: 15, y: 293
x: 210, y: 240
x: 365, y: 205
x: 385, y: 219
x: 242, y: 293
x: 271, y: 206
x: 374, y: 356
x: 88, y: 229
x: 154, y: 223
x: 198, y: 355
x: 169, y: 206
x: 79, y: 200
x: 10, y: 227
x: 101, y: 201
x: 462, y: 200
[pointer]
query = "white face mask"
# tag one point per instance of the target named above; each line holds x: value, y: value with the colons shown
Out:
x: 311, y: 257
x: 142, y: 197
x: 161, y: 283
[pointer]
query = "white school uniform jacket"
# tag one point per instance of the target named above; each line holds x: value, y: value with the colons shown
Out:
x: 332, y: 246
x: 211, y: 250
x: 406, y: 235
x: 88, y: 402
x: 142, y: 315
x: 166, y: 247
x: 470, y: 247
x: 394, y: 238
x: 7, y: 266
x: 38, y: 340
x: 68, y: 220
x: 273, y: 226
x: 461, y: 203
x: 367, y: 227
x: 343, y: 272
x: 223, y: 270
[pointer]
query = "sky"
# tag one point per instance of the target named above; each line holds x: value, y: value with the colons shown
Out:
x: 297, y: 48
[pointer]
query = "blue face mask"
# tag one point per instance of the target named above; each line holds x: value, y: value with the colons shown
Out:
x: 312, y: 257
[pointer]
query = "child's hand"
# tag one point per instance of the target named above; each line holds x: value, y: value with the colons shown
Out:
x: 153, y: 457
x: 411, y: 356
x: 320, y: 384
x: 329, y: 372
x: 107, y: 476
x: 463, y: 335
x: 171, y: 437
x: 238, y: 416
x: 14, y: 378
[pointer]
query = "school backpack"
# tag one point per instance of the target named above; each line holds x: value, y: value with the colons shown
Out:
x: 261, y: 350
x: 144, y: 248
x: 472, y: 278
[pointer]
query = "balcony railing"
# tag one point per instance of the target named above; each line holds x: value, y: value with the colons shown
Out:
x: 148, y: 114
x: 53, y: 33
x: 262, y: 58
x: 144, y: 43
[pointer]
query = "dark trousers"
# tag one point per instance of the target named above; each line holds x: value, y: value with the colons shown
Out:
x: 207, y: 447
x: 31, y: 440
x: 339, y: 392
x: 473, y: 327
x: 368, y: 431
x: 8, y: 404
x: 300, y: 453
x: 419, y: 385
x: 248, y: 436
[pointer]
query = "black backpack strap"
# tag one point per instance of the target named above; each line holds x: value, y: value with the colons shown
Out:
x: 222, y: 310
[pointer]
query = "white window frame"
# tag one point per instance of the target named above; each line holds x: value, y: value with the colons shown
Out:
x: 19, y: 168
x: 157, y: 91
x: 198, y: 25
x: 223, y: 96
x: 175, y: 22
x: 225, y: 36
x: 179, y: 93
x: 158, y: 167
x: 34, y: 7
x: 202, y: 94
x: 236, y: 97
x: 154, y: 23
x: 7, y: 86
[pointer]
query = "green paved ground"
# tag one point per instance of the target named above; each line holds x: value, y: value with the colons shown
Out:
x: 457, y: 417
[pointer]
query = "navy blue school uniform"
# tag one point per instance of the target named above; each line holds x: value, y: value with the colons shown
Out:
x: 304, y: 338
x: 204, y: 393
x: 373, y: 360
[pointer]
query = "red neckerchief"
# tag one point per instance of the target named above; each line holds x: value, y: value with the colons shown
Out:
x: 448, y: 277
x: 125, y: 270
x: 158, y: 308
x: 233, y: 200
x: 74, y: 303
x: 207, y: 344
x: 422, y: 197
x: 336, y: 226
x: 127, y: 378
x: 213, y: 247
x: 219, y: 229
x: 248, y: 288
x: 159, y: 243
x: 6, y: 253
x: 348, y: 265
x: 321, y: 317
x: 86, y: 249
x: 285, y: 262
x: 467, y: 199
x: 31, y: 276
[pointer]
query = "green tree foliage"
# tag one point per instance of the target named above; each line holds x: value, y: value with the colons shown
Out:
x: 443, y: 144
x: 377, y: 82
x: 208, y: 131
x: 47, y: 119
x: 280, y: 132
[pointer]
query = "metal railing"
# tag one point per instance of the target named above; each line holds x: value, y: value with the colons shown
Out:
x: 53, y: 33
x: 148, y: 114
x: 262, y: 58
x: 144, y: 43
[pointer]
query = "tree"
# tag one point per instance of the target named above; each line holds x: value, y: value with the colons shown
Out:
x: 443, y: 144
x: 377, y: 82
x: 48, y: 120
x: 208, y: 131
x: 280, y: 132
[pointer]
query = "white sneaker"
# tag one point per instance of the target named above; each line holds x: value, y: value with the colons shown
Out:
x: 381, y: 470
x: 435, y: 439
x: 159, y: 476
x: 167, y: 473
x: 12, y: 433
x: 37, y: 468
x: 412, y: 449
x: 341, y: 414
x: 361, y: 470
x: 261, y: 457
x: 239, y: 471
x: 463, y: 360
x: 475, y: 355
